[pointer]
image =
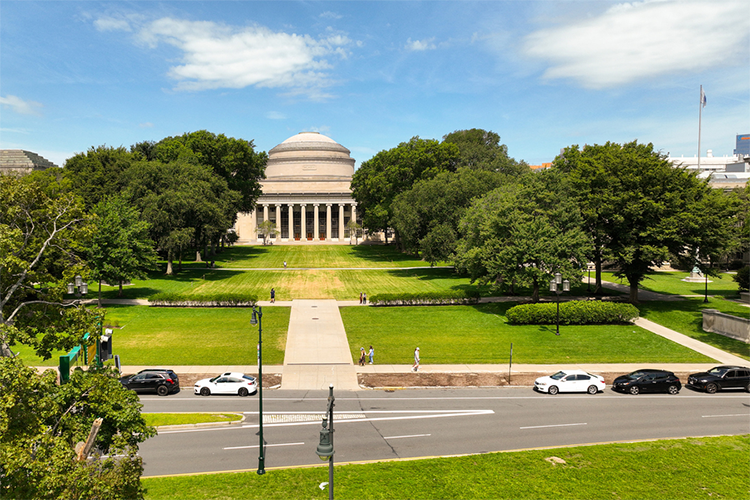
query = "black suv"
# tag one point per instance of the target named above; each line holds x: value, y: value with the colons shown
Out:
x: 720, y: 378
x: 647, y: 381
x: 157, y: 380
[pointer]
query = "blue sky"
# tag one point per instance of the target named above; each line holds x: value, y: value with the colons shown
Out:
x: 542, y: 74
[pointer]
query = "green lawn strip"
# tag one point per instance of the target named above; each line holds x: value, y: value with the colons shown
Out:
x: 671, y: 283
x: 693, y: 468
x: 480, y: 334
x: 685, y: 316
x: 167, y: 336
x: 157, y: 419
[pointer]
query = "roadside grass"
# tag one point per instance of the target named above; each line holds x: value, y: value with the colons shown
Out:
x: 317, y: 256
x: 686, y: 317
x: 671, y: 283
x: 480, y: 334
x: 190, y: 336
x: 692, y: 468
x: 157, y: 419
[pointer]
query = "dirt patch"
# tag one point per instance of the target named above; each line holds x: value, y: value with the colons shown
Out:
x: 188, y: 380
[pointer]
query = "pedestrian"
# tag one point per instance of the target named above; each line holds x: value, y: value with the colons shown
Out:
x: 361, y: 356
x: 372, y: 354
x: 284, y: 264
x: 360, y: 297
x: 416, y: 360
x: 364, y: 298
x: 273, y: 295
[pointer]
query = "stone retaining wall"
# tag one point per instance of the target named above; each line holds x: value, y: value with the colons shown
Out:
x: 727, y: 325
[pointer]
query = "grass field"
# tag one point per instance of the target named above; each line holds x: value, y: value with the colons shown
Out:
x: 685, y: 469
x: 671, y: 283
x: 480, y: 334
x: 157, y: 419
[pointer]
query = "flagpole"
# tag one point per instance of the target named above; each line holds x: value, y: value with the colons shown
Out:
x: 700, y: 110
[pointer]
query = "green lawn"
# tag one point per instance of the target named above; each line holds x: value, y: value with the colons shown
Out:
x: 671, y: 283
x: 157, y: 419
x: 686, y: 469
x: 191, y: 336
x: 685, y: 316
x: 480, y: 334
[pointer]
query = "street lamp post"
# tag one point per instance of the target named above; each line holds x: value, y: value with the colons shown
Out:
x: 590, y: 267
x: 79, y: 287
x: 325, y: 446
x: 554, y: 286
x: 256, y: 319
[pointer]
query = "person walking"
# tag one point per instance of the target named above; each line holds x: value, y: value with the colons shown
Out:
x: 361, y: 356
x: 372, y: 354
x: 284, y: 264
x: 364, y: 298
x: 416, y: 360
x: 360, y: 297
x: 273, y: 295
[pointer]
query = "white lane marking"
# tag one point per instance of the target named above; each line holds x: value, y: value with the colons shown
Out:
x: 409, y: 436
x: 538, y: 397
x: 555, y: 425
x: 461, y: 413
x: 734, y: 415
x: 362, y: 412
x: 258, y: 446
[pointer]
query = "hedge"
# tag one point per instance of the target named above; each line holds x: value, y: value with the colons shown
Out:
x: 742, y: 278
x: 455, y: 297
x: 168, y: 299
x: 576, y: 312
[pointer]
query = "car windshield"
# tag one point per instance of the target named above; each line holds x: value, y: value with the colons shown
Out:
x: 214, y: 379
x: 635, y: 375
x: 718, y: 371
x: 558, y: 375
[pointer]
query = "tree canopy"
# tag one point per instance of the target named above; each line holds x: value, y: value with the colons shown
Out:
x: 481, y: 149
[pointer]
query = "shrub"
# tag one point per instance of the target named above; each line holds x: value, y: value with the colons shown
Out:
x: 743, y: 279
x: 577, y: 312
x: 170, y: 299
x: 455, y: 297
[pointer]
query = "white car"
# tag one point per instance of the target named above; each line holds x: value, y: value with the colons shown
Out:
x: 227, y: 383
x: 570, y: 381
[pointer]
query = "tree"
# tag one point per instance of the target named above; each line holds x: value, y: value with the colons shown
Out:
x: 97, y: 173
x: 481, y: 149
x: 427, y: 216
x: 639, y: 209
x: 41, y: 422
x: 522, y: 234
x: 266, y: 228
x: 120, y: 248
x: 353, y: 228
x: 380, y: 179
x: 42, y: 241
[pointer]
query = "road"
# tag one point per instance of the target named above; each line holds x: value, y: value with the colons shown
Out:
x: 379, y: 425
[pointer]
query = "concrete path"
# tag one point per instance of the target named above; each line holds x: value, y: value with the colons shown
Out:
x: 317, y: 350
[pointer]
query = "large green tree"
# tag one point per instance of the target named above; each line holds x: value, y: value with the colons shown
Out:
x: 96, y: 174
x: 120, y: 248
x: 640, y: 209
x: 521, y: 234
x: 380, y: 179
x: 481, y: 149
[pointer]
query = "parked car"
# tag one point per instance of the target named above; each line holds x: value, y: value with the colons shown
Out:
x: 160, y: 381
x: 647, y: 381
x: 719, y: 378
x: 570, y: 381
x: 227, y: 383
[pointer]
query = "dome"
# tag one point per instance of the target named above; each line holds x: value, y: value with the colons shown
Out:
x: 309, y: 155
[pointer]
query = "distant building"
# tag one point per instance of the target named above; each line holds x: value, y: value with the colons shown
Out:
x: 539, y: 168
x: 743, y: 145
x: 19, y: 160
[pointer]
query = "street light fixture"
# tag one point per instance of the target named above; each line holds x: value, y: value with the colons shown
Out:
x: 554, y: 286
x: 79, y: 287
x: 590, y: 267
x: 325, y: 446
x: 256, y: 319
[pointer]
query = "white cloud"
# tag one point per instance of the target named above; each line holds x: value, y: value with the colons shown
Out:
x: 111, y: 24
x: 219, y: 56
x: 146, y: 125
x: 633, y: 41
x: 20, y: 106
x: 330, y: 15
x: 419, y: 45
x: 275, y: 115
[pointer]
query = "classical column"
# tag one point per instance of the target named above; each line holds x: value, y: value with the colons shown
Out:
x: 278, y: 222
x: 303, y: 225
x: 291, y: 222
x: 341, y: 222
x: 354, y: 218
x: 253, y: 225
x: 328, y: 221
x: 316, y: 222
x: 265, y: 213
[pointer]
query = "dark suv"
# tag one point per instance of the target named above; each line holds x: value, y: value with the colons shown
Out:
x: 720, y: 378
x: 647, y: 381
x: 157, y: 380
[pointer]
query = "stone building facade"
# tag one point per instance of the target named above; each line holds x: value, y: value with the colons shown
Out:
x: 306, y: 193
x: 22, y: 161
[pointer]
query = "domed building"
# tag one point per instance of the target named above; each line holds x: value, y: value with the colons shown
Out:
x: 306, y: 193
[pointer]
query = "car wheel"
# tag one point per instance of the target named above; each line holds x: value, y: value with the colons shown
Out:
x: 242, y: 392
x: 162, y: 390
x: 747, y: 388
x: 205, y: 391
x: 634, y: 390
x: 712, y: 388
x: 592, y: 389
x: 553, y: 389
x: 673, y: 389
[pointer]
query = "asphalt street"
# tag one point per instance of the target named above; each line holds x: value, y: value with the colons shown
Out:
x: 373, y: 425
